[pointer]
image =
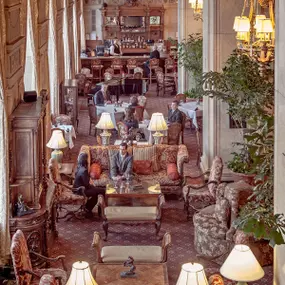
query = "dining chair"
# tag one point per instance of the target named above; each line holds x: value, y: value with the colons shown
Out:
x: 131, y: 65
x: 174, y: 133
x: 153, y: 64
x: 169, y: 65
x: 97, y: 67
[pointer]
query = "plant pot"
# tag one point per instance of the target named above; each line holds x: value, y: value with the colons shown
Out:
x: 248, y: 178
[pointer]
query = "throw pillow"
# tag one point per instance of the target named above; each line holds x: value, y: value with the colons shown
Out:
x: 143, y: 167
x: 95, y: 171
x: 146, y: 153
x: 172, y: 171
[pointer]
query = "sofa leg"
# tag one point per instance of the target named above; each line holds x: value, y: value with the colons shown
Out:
x: 105, y: 228
x: 157, y: 227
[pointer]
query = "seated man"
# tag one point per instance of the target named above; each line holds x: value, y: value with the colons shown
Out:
x: 174, y: 115
x: 101, y: 96
x: 122, y: 164
x: 154, y: 54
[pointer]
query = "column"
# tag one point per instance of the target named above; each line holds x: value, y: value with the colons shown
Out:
x: 218, y: 43
x: 181, y: 36
x: 279, y: 158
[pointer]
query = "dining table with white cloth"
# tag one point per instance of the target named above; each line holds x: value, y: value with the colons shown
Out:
x: 189, y: 109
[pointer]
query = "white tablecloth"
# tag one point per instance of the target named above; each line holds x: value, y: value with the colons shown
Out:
x: 188, y: 109
x: 69, y: 134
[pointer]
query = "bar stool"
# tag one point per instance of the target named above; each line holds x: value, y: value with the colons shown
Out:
x: 117, y: 65
x: 131, y: 65
x: 153, y: 64
x: 169, y: 65
x: 97, y: 66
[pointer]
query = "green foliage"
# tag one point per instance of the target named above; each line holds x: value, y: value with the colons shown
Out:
x: 240, y: 163
x: 190, y: 56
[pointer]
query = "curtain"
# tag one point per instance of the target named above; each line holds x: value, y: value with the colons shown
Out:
x: 75, y: 38
x: 31, y: 69
x: 67, y: 67
x: 4, y: 149
x: 82, y: 27
x: 52, y: 59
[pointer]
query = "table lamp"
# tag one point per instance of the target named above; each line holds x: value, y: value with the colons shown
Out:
x: 57, y: 142
x: 81, y: 274
x: 105, y: 123
x: 192, y: 274
x: 157, y: 124
x: 242, y: 266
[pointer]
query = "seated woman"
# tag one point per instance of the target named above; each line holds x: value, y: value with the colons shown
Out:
x: 130, y: 120
x: 82, y: 178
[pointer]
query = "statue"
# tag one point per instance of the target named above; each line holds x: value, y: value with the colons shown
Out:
x: 21, y: 207
x: 131, y: 273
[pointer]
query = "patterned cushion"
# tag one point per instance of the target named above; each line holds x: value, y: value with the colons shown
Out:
x: 143, y: 167
x: 99, y: 154
x: 95, y: 171
x: 146, y: 153
x: 215, y: 174
x: 161, y: 178
x: 172, y: 172
x: 166, y: 154
x: 222, y: 210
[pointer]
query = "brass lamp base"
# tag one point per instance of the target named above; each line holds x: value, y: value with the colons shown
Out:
x: 57, y: 154
x: 105, y: 136
x: 157, y: 137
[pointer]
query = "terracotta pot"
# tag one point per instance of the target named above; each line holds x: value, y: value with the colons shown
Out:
x: 248, y: 178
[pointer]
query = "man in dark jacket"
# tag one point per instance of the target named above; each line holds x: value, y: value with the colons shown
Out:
x: 99, y: 97
x: 154, y: 54
x: 122, y: 163
x: 174, y: 115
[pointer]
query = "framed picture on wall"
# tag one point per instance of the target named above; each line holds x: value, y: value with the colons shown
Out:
x: 154, y: 20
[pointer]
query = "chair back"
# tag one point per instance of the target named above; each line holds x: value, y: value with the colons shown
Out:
x: 117, y: 64
x: 61, y: 119
x: 21, y: 258
x: 138, y: 75
x: 131, y: 62
x: 181, y: 97
x: 138, y: 69
x: 108, y: 76
x: 81, y: 79
x: 215, y: 174
x: 54, y: 176
x: 158, y: 69
x: 160, y: 78
x: 92, y: 113
x: 153, y: 63
x: 48, y: 279
x: 96, y: 64
x: 142, y: 100
x: 139, y: 110
x: 169, y: 62
x: 122, y: 130
x: 110, y: 70
x: 174, y: 133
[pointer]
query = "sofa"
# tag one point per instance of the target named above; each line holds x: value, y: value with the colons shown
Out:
x: 160, y: 155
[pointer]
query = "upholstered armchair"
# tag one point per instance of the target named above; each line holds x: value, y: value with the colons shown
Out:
x: 174, y: 133
x: 97, y: 67
x: 117, y: 64
x: 131, y: 64
x: 169, y: 65
x: 153, y: 65
x: 198, y: 197
x: 163, y: 84
x: 214, y: 233
x: 84, y: 85
x: 24, y: 272
x: 140, y: 253
x: 64, y: 194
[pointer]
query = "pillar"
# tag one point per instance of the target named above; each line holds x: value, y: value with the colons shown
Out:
x: 218, y: 43
x: 279, y: 158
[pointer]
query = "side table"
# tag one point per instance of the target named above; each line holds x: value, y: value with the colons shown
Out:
x: 150, y: 274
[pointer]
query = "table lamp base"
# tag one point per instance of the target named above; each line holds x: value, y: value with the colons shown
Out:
x: 105, y: 136
x: 57, y: 154
x: 157, y: 137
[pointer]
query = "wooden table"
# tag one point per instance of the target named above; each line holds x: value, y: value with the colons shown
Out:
x: 147, y: 274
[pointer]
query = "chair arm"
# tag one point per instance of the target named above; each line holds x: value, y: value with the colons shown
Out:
x: 160, y: 202
x: 198, y: 176
x: 199, y: 187
x: 49, y: 259
x: 80, y: 189
x: 97, y: 244
x: 102, y: 204
x: 182, y: 157
x: 166, y: 242
x: 230, y: 234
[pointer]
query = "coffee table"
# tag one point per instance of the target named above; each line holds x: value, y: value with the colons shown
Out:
x: 150, y: 274
x: 135, y: 194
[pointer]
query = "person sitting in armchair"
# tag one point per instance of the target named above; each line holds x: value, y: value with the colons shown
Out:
x: 174, y: 115
x: 122, y: 164
x: 130, y: 120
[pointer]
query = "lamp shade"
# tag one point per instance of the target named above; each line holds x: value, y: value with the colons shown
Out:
x: 105, y: 122
x: 241, y: 24
x: 57, y: 140
x: 257, y: 18
x: 241, y: 265
x: 264, y: 26
x: 196, y: 4
x: 81, y: 274
x: 157, y: 123
x: 192, y: 274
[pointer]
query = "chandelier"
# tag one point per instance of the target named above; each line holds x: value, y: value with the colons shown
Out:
x: 197, y: 6
x: 256, y: 32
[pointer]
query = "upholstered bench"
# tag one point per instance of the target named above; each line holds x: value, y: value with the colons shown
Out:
x: 123, y: 214
x: 140, y: 253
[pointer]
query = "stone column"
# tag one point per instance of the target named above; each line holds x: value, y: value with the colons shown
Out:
x: 218, y: 43
x: 279, y: 158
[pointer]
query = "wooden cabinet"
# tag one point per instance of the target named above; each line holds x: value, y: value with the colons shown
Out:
x: 69, y: 100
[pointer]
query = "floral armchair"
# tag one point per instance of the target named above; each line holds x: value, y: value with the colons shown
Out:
x: 64, y: 194
x: 24, y: 272
x: 199, y: 197
x: 213, y: 230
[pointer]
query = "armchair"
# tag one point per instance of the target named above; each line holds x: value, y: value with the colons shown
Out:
x: 163, y: 84
x: 24, y: 272
x: 117, y: 64
x: 84, y: 85
x: 199, y: 197
x: 141, y: 253
x: 174, y: 133
x: 61, y: 119
x: 131, y: 214
x: 97, y: 66
x: 64, y: 194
